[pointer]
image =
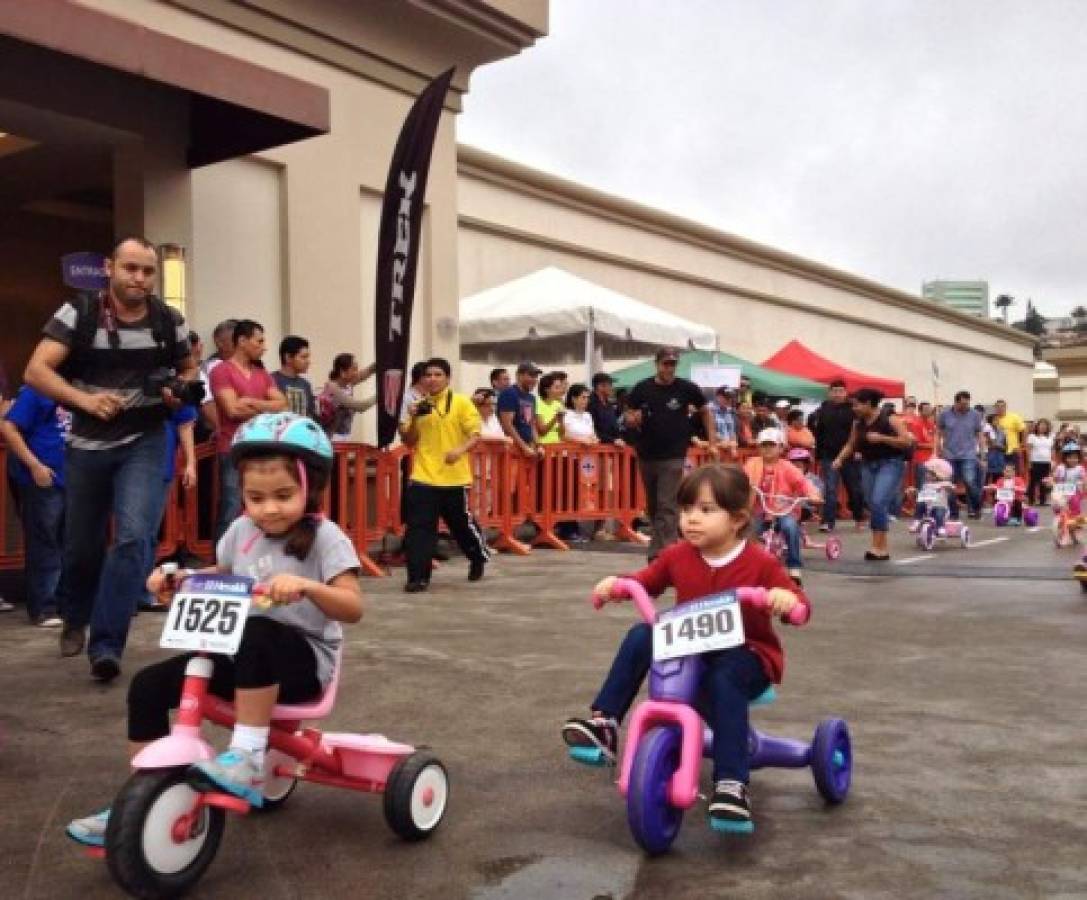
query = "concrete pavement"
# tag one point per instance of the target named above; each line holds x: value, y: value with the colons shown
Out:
x: 963, y: 694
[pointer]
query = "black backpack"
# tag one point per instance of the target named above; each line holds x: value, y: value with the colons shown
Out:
x: 88, y: 307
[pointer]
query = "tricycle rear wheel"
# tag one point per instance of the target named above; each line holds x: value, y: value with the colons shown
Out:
x: 416, y: 795
x: 832, y: 760
x: 143, y: 853
x: 653, y: 820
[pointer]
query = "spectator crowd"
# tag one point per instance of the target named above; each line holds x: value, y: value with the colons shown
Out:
x: 119, y: 384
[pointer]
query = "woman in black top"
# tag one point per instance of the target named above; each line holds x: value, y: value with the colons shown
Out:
x: 883, y: 441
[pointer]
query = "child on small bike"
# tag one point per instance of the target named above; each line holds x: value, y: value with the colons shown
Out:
x: 938, y: 485
x: 715, y: 511
x: 1010, y: 481
x: 309, y: 571
x: 778, y: 484
x: 801, y: 458
x: 1071, y: 474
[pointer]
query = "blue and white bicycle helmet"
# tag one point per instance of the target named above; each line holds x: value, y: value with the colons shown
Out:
x: 283, y: 432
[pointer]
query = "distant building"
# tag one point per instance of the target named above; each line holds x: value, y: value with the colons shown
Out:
x: 971, y: 297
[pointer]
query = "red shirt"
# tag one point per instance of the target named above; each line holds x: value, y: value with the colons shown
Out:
x: 924, y: 432
x: 255, y: 385
x: 681, y: 566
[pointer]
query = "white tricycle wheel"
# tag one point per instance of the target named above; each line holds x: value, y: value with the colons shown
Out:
x: 416, y: 795
x: 277, y: 788
x: 964, y: 536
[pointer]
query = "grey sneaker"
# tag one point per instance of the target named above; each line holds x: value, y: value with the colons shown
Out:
x: 234, y: 772
x: 91, y: 831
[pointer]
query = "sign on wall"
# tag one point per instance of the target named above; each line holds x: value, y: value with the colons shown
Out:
x: 716, y: 376
x: 84, y: 271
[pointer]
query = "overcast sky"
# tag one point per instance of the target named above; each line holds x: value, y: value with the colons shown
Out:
x: 903, y: 140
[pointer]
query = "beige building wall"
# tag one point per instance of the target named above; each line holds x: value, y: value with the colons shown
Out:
x: 373, y: 58
x: 514, y: 220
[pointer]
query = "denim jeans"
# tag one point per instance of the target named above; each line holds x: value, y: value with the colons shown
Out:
x: 230, y: 496
x: 100, y: 483
x: 881, y: 479
x: 43, y: 539
x: 627, y: 673
x: 789, y: 528
x: 733, y: 678
x: 850, y: 477
x: 967, y: 470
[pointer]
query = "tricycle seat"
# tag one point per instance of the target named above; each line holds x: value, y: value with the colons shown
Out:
x: 316, y: 709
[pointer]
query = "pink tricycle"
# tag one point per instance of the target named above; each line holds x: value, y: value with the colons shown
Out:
x: 667, y: 738
x: 163, y: 832
x: 779, y: 509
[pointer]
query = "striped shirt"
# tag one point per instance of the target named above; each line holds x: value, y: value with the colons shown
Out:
x: 141, y: 414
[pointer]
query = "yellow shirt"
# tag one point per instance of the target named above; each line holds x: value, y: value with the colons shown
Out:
x: 545, y: 409
x: 1011, y: 424
x: 452, y: 420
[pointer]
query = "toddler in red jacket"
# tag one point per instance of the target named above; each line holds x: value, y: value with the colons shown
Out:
x: 715, y: 512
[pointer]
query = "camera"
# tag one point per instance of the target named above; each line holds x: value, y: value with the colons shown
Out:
x: 425, y: 408
x: 190, y: 393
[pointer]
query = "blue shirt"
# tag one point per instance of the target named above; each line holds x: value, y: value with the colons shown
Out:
x: 523, y: 406
x: 37, y: 419
x: 724, y: 418
x: 960, y: 433
x: 182, y: 416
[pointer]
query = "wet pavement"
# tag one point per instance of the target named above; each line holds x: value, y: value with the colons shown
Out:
x: 963, y: 693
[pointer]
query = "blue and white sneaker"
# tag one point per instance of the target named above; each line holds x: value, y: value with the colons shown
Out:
x: 234, y: 772
x: 91, y: 831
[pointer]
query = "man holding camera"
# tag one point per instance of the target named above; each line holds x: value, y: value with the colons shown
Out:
x: 441, y: 427
x: 120, y: 360
x: 242, y: 389
x: 658, y: 411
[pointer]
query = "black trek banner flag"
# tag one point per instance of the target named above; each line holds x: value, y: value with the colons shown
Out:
x: 398, y: 250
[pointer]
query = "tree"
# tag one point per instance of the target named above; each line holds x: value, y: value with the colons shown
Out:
x: 1079, y: 313
x: 1002, y: 303
x: 1033, y: 322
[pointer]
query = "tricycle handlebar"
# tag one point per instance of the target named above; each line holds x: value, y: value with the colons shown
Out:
x: 756, y: 596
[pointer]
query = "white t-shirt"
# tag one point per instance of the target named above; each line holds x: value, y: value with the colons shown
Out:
x: 578, y: 425
x: 492, y: 428
x: 1041, y: 447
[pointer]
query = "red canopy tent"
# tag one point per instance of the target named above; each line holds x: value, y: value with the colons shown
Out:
x: 796, y: 359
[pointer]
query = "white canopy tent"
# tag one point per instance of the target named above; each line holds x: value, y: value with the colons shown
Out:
x: 550, y: 315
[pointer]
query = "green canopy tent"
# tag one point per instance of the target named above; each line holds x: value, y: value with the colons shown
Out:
x: 767, y: 381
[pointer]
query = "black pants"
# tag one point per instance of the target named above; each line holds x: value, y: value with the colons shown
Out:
x: 423, y: 506
x: 270, y: 653
x: 1036, y: 492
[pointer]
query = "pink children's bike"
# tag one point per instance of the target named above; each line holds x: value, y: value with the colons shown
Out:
x: 163, y: 834
x: 779, y: 507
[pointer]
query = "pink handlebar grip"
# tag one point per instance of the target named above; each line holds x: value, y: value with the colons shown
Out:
x: 628, y: 587
x: 760, y: 599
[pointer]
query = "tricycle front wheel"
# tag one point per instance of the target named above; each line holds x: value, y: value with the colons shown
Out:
x: 653, y: 820
x: 159, y: 842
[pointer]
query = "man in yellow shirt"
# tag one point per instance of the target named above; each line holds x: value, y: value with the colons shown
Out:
x: 1014, y: 429
x: 442, y: 427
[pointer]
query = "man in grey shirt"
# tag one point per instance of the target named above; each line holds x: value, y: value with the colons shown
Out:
x: 960, y: 438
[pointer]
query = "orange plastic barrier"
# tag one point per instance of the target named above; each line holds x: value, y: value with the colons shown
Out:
x: 569, y: 482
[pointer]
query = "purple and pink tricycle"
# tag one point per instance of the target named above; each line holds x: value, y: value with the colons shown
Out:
x: 164, y: 831
x: 667, y: 738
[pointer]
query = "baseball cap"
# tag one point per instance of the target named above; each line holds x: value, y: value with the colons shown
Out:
x: 782, y: 404
x: 770, y: 436
x: 529, y: 367
x: 667, y: 353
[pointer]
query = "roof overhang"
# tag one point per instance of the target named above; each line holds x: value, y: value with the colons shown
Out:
x: 234, y: 107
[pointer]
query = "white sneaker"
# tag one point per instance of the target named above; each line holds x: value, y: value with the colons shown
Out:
x: 915, y: 526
